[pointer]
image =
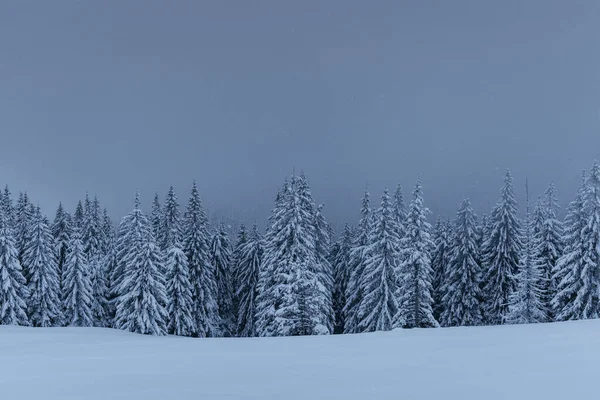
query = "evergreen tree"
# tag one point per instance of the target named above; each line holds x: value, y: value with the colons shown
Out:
x: 202, y: 274
x: 241, y: 239
x: 501, y: 252
x: 13, y: 286
x: 24, y: 220
x: 400, y: 211
x: 341, y: 268
x: 170, y: 231
x: 461, y: 292
x: 415, y: 273
x: 291, y: 270
x: 439, y: 264
x: 359, y: 255
x: 220, y: 256
x: 179, y: 293
x: 133, y: 231
x: 78, y: 217
x: 40, y: 261
x: 248, y: 266
x: 8, y: 208
x: 156, y: 219
x: 324, y: 269
x: 108, y: 232
x: 77, y: 285
x: 549, y: 246
x: 569, y: 265
x: 61, y: 231
x: 585, y: 276
x: 140, y: 307
x: 525, y: 303
x: 379, y: 304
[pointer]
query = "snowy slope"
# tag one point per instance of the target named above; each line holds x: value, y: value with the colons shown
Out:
x: 550, y: 361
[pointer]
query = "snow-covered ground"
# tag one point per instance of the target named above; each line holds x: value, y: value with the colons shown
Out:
x: 549, y: 361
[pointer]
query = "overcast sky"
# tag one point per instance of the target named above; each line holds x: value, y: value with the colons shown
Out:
x: 114, y: 96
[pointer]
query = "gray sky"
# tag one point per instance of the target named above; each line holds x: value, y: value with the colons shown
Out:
x: 114, y: 96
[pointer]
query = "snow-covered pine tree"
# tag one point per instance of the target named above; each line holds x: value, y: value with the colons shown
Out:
x: 61, y: 231
x: 241, y: 239
x: 549, y: 246
x: 569, y: 265
x: 24, y: 219
x: 94, y: 243
x: 13, y: 286
x: 415, y: 301
x: 400, y: 210
x: 156, y: 219
x: 291, y: 267
x: 586, y: 304
x: 179, y: 292
x: 324, y: 269
x: 40, y: 261
x: 359, y: 253
x: 8, y: 208
x: 379, y: 305
x: 461, y: 292
x: 170, y: 231
x: 341, y: 267
x: 526, y: 302
x: 142, y: 293
x: 78, y: 216
x: 439, y: 263
x: 108, y: 232
x: 501, y: 252
x: 248, y: 266
x: 77, y: 285
x: 196, y: 247
x: 220, y: 256
x: 132, y: 233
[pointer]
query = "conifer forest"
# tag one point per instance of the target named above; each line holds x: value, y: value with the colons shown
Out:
x: 168, y: 271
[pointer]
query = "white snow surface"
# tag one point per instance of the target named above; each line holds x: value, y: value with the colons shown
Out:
x: 543, y: 361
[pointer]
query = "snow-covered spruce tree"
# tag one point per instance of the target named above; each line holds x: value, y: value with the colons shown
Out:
x: 414, y: 274
x: 94, y: 243
x: 156, y: 219
x: 379, y: 305
x: 13, y: 286
x: 8, y: 208
x: 79, y: 215
x: 132, y: 233
x: 108, y: 232
x: 290, y: 256
x: 170, y: 230
x: 324, y: 269
x: 24, y: 219
x: 359, y: 253
x: 321, y: 267
x: 265, y: 310
x: 61, y: 231
x: 501, y: 252
x: 44, y: 306
x: 248, y: 266
x: 439, y: 263
x: 77, y: 285
x: 586, y: 302
x: 569, y: 265
x: 341, y: 268
x: 400, y: 210
x: 179, y: 292
x: 549, y: 246
x: 196, y: 247
x: 142, y: 294
x: 241, y: 239
x: 220, y: 257
x: 461, y: 292
x: 526, y: 302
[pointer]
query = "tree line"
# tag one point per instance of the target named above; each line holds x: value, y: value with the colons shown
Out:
x: 169, y: 272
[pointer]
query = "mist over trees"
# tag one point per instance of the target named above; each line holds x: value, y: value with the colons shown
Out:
x: 171, y: 271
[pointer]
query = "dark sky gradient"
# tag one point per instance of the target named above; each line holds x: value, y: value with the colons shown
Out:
x: 114, y: 96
